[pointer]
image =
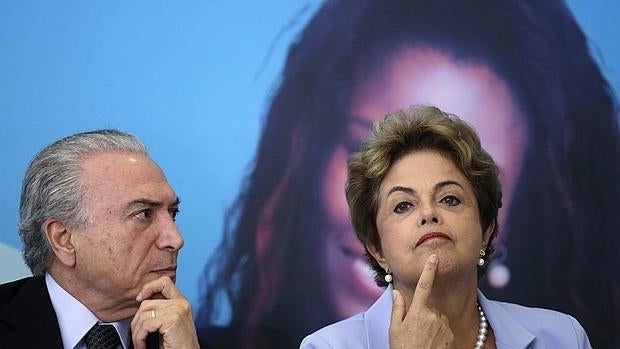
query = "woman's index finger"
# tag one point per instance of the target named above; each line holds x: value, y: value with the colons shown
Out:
x: 425, y: 283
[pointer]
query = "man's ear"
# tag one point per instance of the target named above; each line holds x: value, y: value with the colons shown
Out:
x: 377, y: 254
x: 59, y: 237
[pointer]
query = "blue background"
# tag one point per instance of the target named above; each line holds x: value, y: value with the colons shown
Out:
x: 191, y: 79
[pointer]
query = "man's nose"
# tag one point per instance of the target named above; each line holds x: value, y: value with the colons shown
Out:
x: 170, y: 237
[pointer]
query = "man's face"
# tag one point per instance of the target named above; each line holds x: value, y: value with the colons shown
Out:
x: 132, y: 237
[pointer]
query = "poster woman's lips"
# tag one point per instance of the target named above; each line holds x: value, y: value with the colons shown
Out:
x: 360, y: 272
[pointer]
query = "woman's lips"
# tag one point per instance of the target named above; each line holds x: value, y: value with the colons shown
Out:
x: 430, y: 236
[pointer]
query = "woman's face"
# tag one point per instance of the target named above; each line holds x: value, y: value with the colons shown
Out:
x: 426, y: 206
x: 414, y: 75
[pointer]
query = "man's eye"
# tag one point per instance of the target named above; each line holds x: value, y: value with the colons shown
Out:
x: 173, y: 213
x: 402, y: 207
x: 450, y: 200
x: 144, y: 214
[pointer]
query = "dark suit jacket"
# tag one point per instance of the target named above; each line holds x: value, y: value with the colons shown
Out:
x: 27, y: 317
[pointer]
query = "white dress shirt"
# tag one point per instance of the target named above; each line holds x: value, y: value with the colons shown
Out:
x: 74, y: 319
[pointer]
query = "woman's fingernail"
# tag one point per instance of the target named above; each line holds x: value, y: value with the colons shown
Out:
x: 433, y: 258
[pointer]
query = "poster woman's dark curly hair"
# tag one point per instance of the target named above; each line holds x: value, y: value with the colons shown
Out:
x: 560, y: 238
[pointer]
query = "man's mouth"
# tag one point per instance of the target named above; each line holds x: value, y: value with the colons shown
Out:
x: 167, y: 271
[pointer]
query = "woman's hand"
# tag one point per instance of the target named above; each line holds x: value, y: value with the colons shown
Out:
x: 420, y: 326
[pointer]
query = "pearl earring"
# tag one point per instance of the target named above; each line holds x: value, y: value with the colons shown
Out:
x: 388, y: 276
x: 481, y: 260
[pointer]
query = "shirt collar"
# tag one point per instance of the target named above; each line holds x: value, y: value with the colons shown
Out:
x: 377, y: 319
x: 75, y: 319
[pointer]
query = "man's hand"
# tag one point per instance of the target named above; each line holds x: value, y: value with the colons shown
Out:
x: 421, y: 326
x: 163, y: 309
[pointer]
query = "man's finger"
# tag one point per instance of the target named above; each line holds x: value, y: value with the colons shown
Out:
x: 162, y: 285
x: 425, y: 283
x: 140, y: 332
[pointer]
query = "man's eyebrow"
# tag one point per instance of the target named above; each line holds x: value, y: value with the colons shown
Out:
x: 150, y: 203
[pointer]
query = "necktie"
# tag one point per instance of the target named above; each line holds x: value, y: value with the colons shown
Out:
x: 102, y: 337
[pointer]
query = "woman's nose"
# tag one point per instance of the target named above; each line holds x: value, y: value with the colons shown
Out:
x: 428, y: 215
x: 432, y: 219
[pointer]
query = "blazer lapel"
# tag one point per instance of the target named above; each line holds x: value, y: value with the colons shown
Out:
x: 506, y: 328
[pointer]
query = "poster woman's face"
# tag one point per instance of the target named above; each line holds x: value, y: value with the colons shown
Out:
x: 414, y: 75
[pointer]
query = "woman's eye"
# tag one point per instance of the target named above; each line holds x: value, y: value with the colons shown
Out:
x: 450, y: 200
x: 402, y: 207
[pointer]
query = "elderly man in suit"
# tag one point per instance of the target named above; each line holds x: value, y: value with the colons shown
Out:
x: 97, y: 219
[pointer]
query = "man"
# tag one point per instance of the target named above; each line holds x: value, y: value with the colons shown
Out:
x: 97, y: 219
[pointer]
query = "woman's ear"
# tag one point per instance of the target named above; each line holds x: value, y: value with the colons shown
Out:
x: 487, y: 235
x: 377, y: 254
x: 59, y: 237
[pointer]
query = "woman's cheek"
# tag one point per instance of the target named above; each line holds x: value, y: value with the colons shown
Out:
x: 334, y: 181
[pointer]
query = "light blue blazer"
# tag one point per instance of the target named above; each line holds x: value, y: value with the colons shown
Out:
x: 514, y: 326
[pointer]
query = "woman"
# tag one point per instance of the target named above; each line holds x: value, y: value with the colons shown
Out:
x: 424, y: 197
x: 288, y: 248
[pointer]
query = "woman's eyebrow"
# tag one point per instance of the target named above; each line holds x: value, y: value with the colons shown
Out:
x: 442, y: 184
x: 401, y: 189
x: 436, y: 187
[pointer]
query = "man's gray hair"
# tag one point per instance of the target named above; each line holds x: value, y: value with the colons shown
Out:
x: 53, y: 187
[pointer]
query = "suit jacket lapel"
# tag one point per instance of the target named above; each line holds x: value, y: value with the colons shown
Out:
x: 32, y: 316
